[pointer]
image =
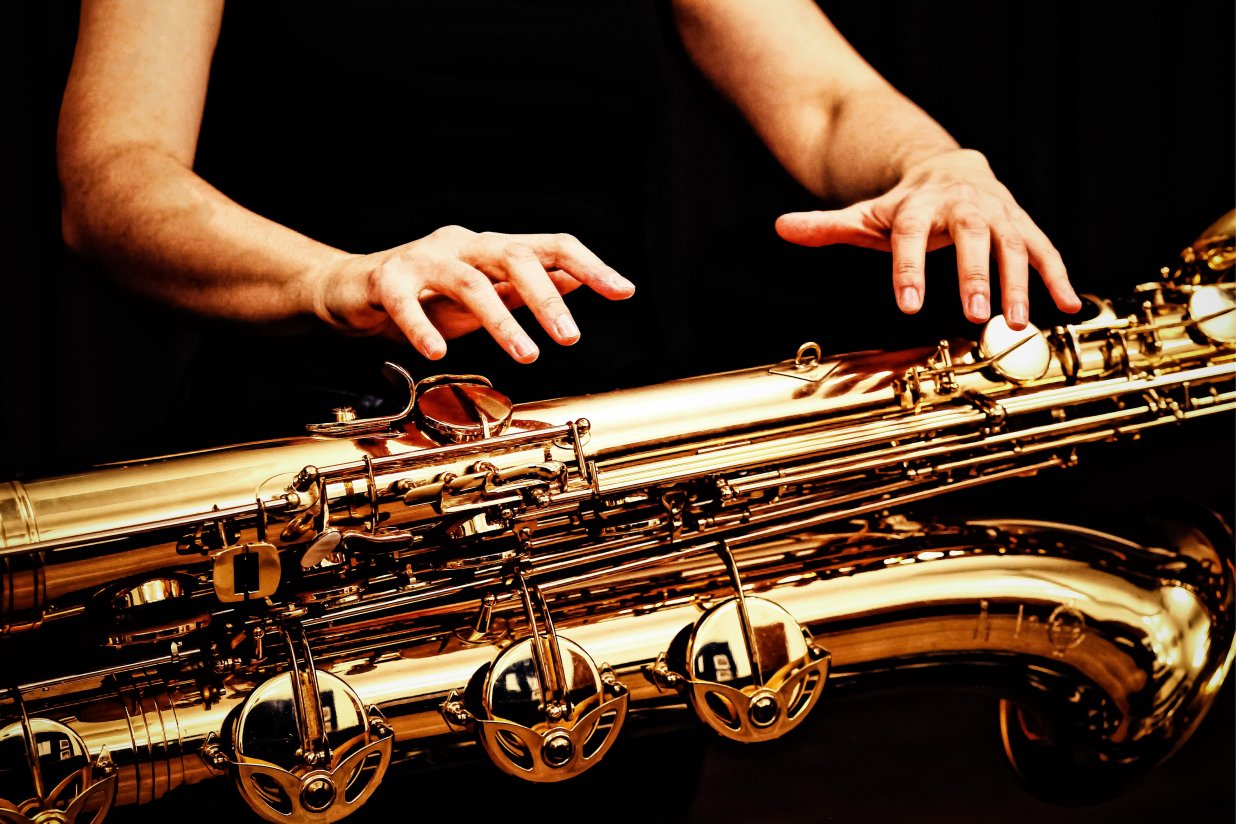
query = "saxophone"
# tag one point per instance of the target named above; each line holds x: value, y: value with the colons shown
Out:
x: 297, y: 615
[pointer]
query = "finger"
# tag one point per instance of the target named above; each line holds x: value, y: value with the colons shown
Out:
x: 853, y: 225
x: 972, y: 238
x: 475, y: 292
x: 567, y: 253
x: 518, y: 264
x: 563, y: 282
x: 1045, y: 258
x: 453, y: 320
x: 450, y: 318
x: 400, y: 301
x: 1011, y: 255
x: 911, y: 231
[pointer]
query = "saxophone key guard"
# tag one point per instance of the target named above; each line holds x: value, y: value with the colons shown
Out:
x: 303, y: 747
x: 61, y: 783
x: 747, y: 693
x: 543, y: 710
x: 748, y: 669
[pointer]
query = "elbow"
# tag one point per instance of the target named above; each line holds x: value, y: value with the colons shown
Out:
x: 89, y: 203
x: 72, y: 225
x: 92, y: 175
x: 76, y: 185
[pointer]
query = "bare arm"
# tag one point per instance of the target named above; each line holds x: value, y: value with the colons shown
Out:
x: 128, y: 133
x: 847, y: 135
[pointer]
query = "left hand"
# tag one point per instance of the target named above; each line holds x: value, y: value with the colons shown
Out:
x: 951, y: 197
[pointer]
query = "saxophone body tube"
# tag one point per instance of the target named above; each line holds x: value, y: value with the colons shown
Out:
x: 294, y: 616
x: 1109, y: 652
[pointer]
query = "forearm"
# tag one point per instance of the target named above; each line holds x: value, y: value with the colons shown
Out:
x: 848, y: 136
x: 876, y: 136
x: 127, y: 139
x: 831, y: 120
x: 166, y: 233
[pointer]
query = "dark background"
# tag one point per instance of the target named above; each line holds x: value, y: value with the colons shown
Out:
x: 1113, y: 127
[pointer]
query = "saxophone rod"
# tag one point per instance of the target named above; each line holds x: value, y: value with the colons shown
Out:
x: 887, y: 497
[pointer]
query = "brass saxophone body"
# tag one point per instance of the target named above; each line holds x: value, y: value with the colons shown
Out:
x: 299, y: 614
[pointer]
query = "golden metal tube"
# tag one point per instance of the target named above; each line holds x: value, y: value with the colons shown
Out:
x: 401, y: 560
x: 1144, y: 644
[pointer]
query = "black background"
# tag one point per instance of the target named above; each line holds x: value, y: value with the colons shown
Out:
x: 1113, y: 127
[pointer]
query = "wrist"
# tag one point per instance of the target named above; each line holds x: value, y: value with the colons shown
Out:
x: 945, y: 163
x: 332, y: 288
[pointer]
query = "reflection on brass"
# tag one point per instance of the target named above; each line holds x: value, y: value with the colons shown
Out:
x: 328, y: 591
x: 1214, y: 251
x: 456, y: 409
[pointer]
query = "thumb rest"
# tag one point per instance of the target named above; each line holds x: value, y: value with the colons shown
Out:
x: 299, y: 614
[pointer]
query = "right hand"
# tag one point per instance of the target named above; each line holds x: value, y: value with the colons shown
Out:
x: 454, y: 281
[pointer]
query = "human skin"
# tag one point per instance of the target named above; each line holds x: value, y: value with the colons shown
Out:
x: 132, y: 112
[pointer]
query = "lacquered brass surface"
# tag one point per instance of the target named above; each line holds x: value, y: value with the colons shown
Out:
x: 300, y: 613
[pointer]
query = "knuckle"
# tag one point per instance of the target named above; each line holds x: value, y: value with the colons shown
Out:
x: 552, y: 305
x: 518, y: 252
x: 906, y: 269
x: 471, y: 284
x: 970, y: 222
x: 414, y: 257
x: 505, y: 327
x: 384, y: 281
x: 1013, y: 243
x: 566, y: 239
x: 913, y: 226
x: 451, y: 232
x: 381, y: 274
x: 974, y: 277
x: 960, y: 190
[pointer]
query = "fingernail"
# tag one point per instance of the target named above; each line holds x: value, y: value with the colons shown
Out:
x: 1017, y: 315
x: 618, y: 282
x: 978, y: 306
x: 566, y: 327
x: 431, y: 348
x: 523, y: 348
x: 910, y: 301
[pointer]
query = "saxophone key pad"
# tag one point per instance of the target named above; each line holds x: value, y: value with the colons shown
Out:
x: 461, y: 408
x: 1020, y: 355
x: 1213, y: 309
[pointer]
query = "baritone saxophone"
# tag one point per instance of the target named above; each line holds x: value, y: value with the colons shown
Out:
x: 296, y: 615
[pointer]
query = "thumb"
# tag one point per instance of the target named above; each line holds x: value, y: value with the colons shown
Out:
x: 852, y: 225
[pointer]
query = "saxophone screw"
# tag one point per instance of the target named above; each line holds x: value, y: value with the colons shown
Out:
x: 764, y: 711
x: 453, y: 712
x: 557, y: 749
x: 212, y: 754
x: 304, y: 479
